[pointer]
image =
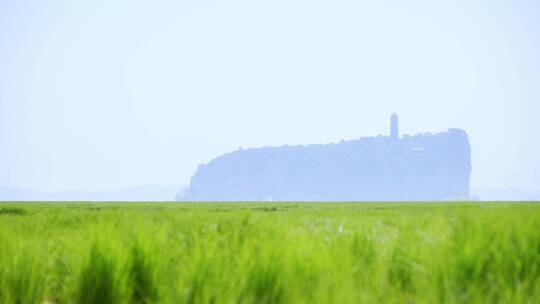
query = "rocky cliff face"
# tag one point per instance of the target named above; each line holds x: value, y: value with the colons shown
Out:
x: 421, y: 167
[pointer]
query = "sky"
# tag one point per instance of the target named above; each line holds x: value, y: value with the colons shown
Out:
x: 104, y: 95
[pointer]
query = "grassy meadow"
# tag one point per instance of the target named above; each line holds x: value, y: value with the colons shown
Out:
x: 269, y: 253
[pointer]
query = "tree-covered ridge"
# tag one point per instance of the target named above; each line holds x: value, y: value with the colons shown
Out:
x: 421, y: 167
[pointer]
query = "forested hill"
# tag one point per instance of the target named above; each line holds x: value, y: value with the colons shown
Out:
x: 421, y: 167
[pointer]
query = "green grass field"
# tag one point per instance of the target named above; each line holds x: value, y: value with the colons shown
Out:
x: 269, y: 253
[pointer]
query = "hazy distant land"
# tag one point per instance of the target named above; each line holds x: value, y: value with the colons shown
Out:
x: 384, y: 168
x: 145, y: 193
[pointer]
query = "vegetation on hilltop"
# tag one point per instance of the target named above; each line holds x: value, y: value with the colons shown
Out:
x: 411, y: 168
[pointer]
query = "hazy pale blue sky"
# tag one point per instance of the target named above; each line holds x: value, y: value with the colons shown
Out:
x: 108, y: 94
